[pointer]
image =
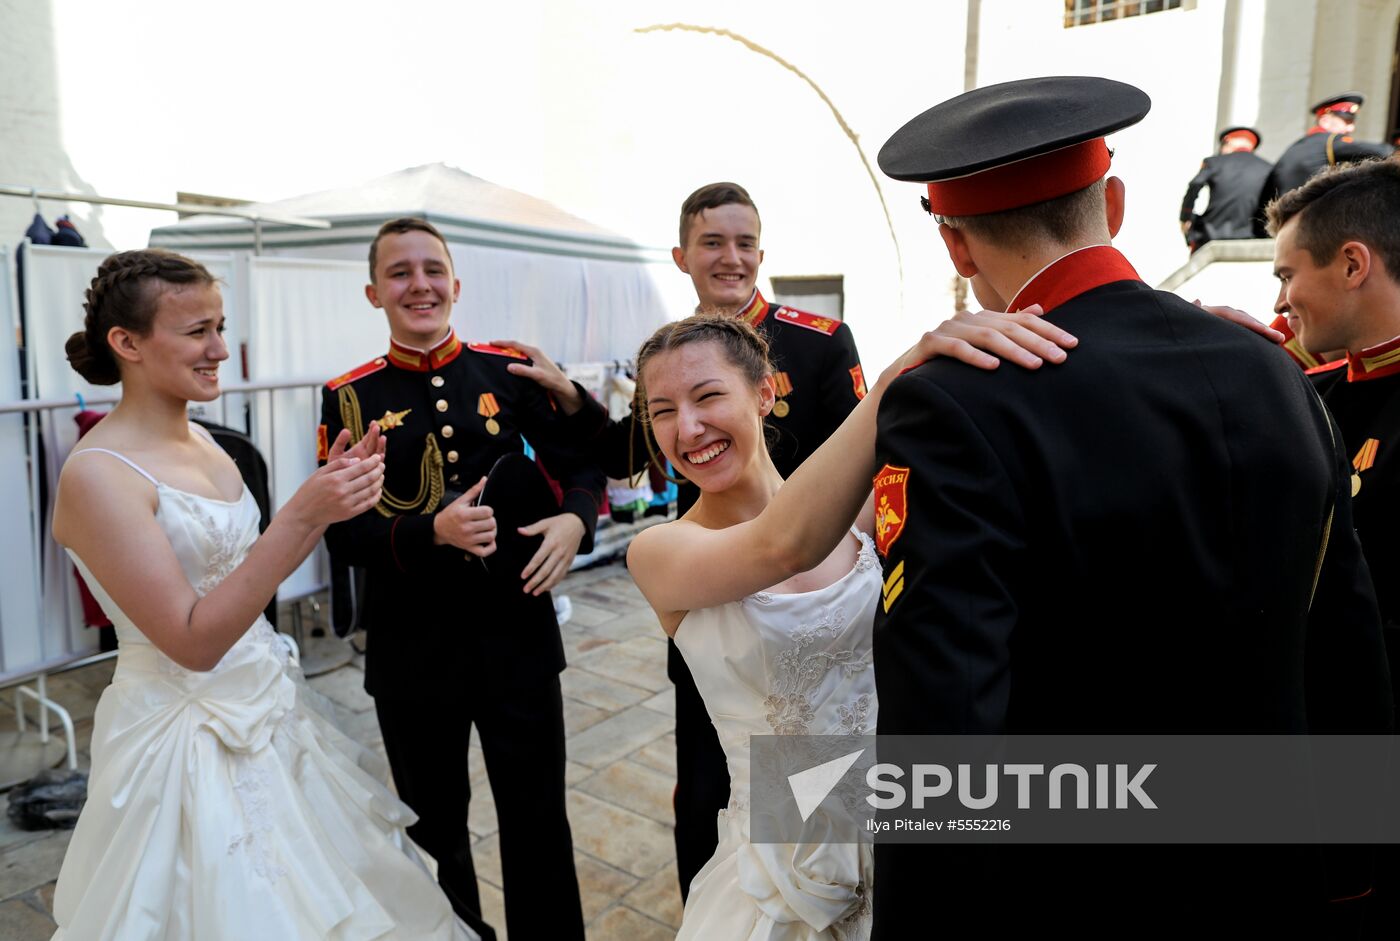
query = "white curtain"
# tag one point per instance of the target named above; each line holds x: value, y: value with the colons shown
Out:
x: 20, y: 599
x: 575, y: 309
x: 307, y: 319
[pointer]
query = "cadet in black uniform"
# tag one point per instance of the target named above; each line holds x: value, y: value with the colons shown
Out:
x: 819, y: 381
x: 1235, y: 176
x: 451, y: 644
x: 1097, y: 547
x: 1351, y: 302
x: 1326, y: 144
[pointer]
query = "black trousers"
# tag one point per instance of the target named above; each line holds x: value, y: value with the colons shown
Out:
x: 522, y: 738
x: 702, y: 775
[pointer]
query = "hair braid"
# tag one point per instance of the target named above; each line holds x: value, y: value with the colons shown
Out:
x: 743, y: 346
x: 121, y: 294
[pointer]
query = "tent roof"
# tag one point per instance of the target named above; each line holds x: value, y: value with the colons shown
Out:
x: 458, y: 202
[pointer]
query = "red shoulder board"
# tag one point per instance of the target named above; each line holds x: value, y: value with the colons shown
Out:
x: 359, y: 372
x: 810, y: 321
x: 1327, y: 367
x: 496, y: 350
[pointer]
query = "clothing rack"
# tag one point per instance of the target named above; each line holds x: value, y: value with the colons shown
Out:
x: 258, y: 217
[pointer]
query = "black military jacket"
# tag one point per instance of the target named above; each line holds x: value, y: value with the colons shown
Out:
x: 1363, y: 393
x: 1235, y: 180
x: 1310, y: 153
x: 1080, y: 535
x: 1123, y: 543
x: 434, y: 616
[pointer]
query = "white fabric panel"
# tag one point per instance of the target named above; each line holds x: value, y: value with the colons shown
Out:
x: 575, y: 309
x: 307, y: 318
x: 55, y: 280
x: 20, y: 603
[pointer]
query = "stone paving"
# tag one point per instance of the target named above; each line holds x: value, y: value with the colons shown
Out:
x: 619, y: 716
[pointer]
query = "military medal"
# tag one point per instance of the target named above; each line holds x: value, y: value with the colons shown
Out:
x: 1365, y: 458
x: 392, y: 419
x: 487, y: 407
x: 782, y: 385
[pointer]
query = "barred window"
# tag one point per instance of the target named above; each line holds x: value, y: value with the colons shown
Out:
x: 1087, y: 12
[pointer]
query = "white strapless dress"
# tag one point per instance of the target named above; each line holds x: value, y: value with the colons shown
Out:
x: 783, y: 664
x: 220, y: 806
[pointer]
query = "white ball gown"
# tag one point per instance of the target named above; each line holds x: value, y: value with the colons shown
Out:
x: 220, y: 806
x: 783, y: 664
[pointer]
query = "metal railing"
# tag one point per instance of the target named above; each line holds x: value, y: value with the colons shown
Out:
x: 30, y: 681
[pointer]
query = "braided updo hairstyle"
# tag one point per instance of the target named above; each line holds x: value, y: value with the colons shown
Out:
x: 743, y: 347
x: 125, y: 293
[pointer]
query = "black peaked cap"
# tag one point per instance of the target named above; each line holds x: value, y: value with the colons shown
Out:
x: 518, y: 494
x: 999, y: 124
x: 1351, y: 97
x: 1236, y: 129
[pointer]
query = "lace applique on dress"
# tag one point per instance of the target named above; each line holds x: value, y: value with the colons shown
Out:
x: 227, y: 550
x: 855, y: 925
x: 250, y: 786
x: 798, y: 670
x: 854, y: 716
x: 865, y: 558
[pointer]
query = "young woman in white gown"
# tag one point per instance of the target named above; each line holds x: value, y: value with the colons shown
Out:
x: 219, y: 805
x: 770, y: 593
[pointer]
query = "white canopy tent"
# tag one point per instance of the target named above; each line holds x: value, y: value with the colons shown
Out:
x: 529, y: 270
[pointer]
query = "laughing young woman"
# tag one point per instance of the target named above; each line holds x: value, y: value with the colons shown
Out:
x: 769, y: 591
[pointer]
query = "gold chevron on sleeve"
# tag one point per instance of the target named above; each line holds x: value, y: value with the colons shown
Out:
x: 894, y: 586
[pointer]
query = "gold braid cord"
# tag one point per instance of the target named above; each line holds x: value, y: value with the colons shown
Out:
x: 430, y: 485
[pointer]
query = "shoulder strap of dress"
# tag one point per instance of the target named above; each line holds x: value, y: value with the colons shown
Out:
x: 125, y: 460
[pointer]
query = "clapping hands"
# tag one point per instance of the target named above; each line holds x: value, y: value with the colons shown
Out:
x: 350, y: 482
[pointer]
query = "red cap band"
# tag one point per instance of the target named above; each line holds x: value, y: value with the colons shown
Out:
x: 1021, y: 183
x: 1341, y: 107
x: 1251, y: 138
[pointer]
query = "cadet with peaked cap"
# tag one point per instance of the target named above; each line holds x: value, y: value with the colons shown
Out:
x: 1327, y: 143
x: 1095, y: 546
x: 1234, y: 176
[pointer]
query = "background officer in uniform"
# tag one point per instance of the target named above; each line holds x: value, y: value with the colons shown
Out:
x: 1327, y: 143
x: 1235, y: 177
x: 451, y: 644
x: 1096, y: 547
x: 819, y: 380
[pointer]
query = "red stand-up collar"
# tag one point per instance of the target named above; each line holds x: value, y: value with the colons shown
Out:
x: 1374, y: 363
x: 1070, y: 276
x: 754, y: 311
x: 415, y: 360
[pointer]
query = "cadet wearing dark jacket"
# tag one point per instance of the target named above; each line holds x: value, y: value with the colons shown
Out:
x: 1327, y: 143
x: 818, y: 377
x: 452, y: 643
x: 1099, y: 547
x: 1337, y: 255
x: 1234, y: 177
